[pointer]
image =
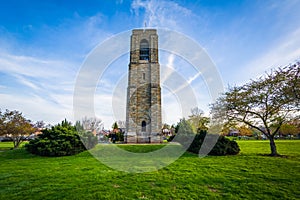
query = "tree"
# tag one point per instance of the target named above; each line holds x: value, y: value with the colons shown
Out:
x: 291, y: 75
x: 39, y: 124
x: 87, y: 137
x: 121, y: 124
x: 289, y: 129
x: 115, y: 126
x: 184, y: 133
x: 244, y: 131
x: 166, y: 129
x: 166, y: 126
x: 197, y: 120
x: 92, y: 124
x: 185, y: 127
x: 263, y: 104
x: 15, y: 126
x: 117, y: 134
x: 114, y: 132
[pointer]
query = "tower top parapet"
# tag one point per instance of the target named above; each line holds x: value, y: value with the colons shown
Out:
x: 140, y: 31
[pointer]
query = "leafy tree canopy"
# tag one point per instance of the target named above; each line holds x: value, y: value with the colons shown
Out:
x: 263, y: 104
x: 15, y: 126
x: 197, y: 120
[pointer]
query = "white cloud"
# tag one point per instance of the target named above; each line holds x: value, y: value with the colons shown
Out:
x: 36, y: 108
x: 40, y: 88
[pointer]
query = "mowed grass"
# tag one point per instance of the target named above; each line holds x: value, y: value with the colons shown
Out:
x: 249, y: 175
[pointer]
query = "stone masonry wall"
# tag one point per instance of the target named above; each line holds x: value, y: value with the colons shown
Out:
x: 143, y: 92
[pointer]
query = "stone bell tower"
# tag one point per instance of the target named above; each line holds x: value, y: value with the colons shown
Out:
x: 143, y: 111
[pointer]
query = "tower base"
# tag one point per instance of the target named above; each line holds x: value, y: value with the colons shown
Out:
x: 133, y: 138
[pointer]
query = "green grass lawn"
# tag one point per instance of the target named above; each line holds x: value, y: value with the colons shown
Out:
x: 9, y: 145
x: 249, y: 175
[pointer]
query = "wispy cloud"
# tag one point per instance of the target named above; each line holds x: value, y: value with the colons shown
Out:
x: 40, y: 81
x: 35, y: 107
x: 27, y: 82
x: 39, y: 70
x: 33, y: 67
x: 191, y: 79
x: 163, y: 13
x: 41, y: 88
x: 170, y: 63
x: 280, y: 54
x: 169, y: 69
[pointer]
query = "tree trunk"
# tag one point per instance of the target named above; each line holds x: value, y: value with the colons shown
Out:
x: 16, y: 142
x: 273, y: 146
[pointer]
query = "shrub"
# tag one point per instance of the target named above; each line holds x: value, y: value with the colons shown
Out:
x: 197, y: 142
x: 188, y: 139
x: 224, y: 146
x: 88, y: 139
x: 170, y: 138
x: 184, y: 133
x: 120, y: 136
x: 60, y: 140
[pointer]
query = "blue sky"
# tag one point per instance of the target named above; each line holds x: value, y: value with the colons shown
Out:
x: 43, y: 45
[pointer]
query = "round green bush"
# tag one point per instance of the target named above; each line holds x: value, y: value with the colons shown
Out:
x: 61, y: 140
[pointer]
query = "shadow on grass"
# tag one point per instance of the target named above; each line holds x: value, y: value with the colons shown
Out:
x: 273, y: 156
x: 20, y: 153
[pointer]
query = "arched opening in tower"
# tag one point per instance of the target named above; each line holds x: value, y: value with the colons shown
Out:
x: 143, y: 126
x: 144, y: 50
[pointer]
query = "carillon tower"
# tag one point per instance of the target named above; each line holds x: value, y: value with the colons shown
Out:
x: 143, y: 111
